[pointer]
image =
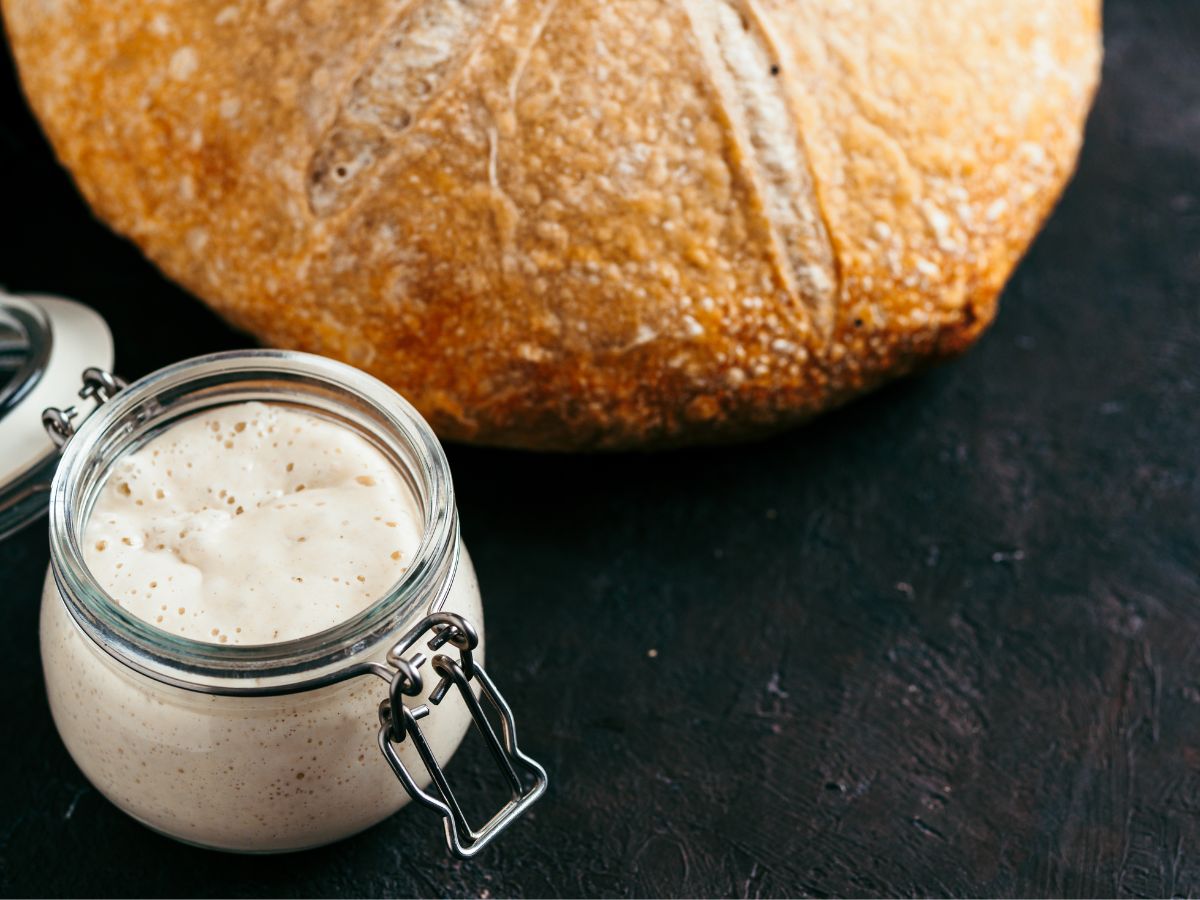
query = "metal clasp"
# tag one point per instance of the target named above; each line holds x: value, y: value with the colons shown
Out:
x: 98, y: 385
x: 526, y: 779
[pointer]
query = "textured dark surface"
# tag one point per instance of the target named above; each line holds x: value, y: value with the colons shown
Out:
x: 942, y: 642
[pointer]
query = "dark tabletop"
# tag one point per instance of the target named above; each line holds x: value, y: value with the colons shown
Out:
x: 944, y: 641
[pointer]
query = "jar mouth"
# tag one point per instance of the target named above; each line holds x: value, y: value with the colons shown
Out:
x: 303, y: 381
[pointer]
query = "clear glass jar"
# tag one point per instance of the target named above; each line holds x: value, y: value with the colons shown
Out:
x: 274, y: 747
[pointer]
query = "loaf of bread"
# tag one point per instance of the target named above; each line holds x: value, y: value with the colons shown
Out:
x: 577, y: 224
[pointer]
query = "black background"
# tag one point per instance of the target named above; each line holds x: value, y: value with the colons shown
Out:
x: 941, y: 642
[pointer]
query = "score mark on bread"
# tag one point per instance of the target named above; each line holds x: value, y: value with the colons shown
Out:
x: 768, y: 150
x: 420, y: 54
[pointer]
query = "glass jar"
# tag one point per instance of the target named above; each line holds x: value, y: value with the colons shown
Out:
x: 273, y: 747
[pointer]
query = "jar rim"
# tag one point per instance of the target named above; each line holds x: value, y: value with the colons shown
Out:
x: 316, y: 384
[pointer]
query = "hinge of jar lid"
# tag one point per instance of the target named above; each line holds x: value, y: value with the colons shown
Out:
x: 98, y: 385
x: 526, y: 780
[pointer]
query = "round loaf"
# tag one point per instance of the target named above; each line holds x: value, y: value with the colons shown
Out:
x: 578, y: 224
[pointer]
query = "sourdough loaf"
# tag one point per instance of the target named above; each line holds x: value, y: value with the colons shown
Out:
x: 578, y: 223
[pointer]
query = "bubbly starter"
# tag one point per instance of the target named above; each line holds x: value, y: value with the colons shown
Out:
x: 251, y: 524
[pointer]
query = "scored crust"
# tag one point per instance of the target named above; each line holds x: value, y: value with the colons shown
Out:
x: 573, y: 224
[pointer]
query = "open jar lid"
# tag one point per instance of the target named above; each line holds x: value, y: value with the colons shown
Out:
x: 45, y: 344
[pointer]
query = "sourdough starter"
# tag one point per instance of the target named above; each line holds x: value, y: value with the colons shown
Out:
x: 249, y: 524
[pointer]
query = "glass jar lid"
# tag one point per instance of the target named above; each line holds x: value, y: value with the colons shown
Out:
x: 45, y: 343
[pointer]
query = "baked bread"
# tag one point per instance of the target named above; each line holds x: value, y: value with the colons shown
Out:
x: 578, y: 224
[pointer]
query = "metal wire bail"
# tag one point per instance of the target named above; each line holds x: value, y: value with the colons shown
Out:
x: 98, y: 385
x: 525, y: 778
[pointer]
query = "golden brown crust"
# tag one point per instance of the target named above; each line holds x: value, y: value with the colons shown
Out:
x: 586, y: 223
